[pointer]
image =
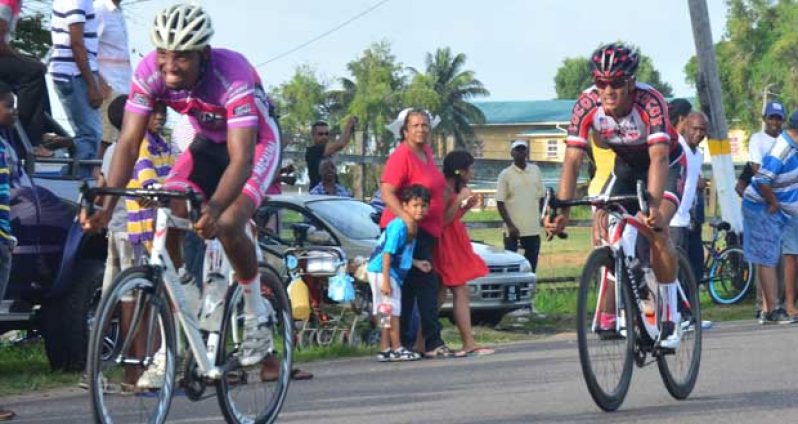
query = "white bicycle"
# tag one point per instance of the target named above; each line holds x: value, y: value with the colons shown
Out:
x: 134, y: 330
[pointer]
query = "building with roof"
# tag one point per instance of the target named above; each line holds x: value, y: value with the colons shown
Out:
x: 544, y: 124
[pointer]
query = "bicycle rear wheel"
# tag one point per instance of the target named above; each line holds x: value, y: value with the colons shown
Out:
x: 256, y: 394
x: 679, y: 370
x: 606, y: 358
x: 134, y: 312
x: 731, y: 277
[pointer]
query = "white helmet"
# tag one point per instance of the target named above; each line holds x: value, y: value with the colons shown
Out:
x: 181, y: 27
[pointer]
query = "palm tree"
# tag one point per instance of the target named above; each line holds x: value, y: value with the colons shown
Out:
x: 454, y: 87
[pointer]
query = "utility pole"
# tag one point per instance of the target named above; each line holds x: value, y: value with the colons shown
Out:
x: 719, y: 147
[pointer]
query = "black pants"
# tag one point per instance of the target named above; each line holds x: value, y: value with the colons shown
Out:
x: 26, y: 77
x: 531, y: 245
x: 421, y: 288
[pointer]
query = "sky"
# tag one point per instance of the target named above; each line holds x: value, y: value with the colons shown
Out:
x: 514, y: 46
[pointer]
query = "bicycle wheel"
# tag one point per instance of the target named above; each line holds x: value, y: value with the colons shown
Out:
x: 731, y: 277
x: 256, y: 394
x: 679, y: 370
x: 139, y: 316
x: 606, y: 359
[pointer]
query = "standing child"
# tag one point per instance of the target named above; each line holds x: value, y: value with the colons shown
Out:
x: 453, y: 257
x: 8, y: 115
x: 152, y: 166
x: 388, y: 266
x: 120, y: 251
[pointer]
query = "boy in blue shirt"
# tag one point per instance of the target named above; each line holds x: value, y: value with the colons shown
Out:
x: 388, y: 266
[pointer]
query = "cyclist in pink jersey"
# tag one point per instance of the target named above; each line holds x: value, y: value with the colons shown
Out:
x: 233, y: 159
x: 630, y: 118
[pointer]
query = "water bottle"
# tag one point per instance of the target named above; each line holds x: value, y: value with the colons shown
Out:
x: 384, y: 310
x: 214, y: 287
x: 650, y: 301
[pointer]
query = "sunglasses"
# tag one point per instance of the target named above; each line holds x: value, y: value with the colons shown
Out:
x: 615, y: 83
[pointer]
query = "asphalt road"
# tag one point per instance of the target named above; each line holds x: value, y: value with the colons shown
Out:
x: 748, y: 374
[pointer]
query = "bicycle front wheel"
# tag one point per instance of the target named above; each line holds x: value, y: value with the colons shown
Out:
x: 123, y: 389
x: 679, y: 370
x: 605, y: 354
x: 256, y: 394
x: 731, y: 277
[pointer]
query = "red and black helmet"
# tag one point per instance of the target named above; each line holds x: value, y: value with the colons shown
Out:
x: 613, y: 61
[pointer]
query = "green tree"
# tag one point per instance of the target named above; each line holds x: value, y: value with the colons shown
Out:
x: 32, y: 35
x: 573, y: 77
x: 756, y: 54
x: 299, y: 101
x: 375, y: 89
x: 452, y: 86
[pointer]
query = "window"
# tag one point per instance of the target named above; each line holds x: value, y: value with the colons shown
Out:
x: 552, y: 149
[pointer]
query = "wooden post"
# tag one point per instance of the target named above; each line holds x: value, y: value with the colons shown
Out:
x: 719, y: 147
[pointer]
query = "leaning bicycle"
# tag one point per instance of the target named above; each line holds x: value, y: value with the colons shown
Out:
x: 147, y: 306
x: 615, y: 281
x: 728, y: 276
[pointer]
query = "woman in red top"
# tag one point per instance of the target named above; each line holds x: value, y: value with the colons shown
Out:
x: 412, y: 163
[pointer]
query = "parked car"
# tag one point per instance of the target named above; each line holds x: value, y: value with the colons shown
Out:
x: 56, y: 269
x: 350, y: 224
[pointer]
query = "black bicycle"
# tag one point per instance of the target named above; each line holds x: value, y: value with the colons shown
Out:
x: 728, y: 275
x: 615, y: 283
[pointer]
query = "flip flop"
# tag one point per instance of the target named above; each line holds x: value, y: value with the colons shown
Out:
x: 298, y: 374
x: 480, y: 351
x: 443, y: 352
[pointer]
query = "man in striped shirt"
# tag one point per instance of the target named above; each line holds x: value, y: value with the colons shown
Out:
x: 73, y: 67
x: 768, y: 203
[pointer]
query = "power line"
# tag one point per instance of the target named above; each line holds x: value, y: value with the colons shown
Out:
x: 324, y: 34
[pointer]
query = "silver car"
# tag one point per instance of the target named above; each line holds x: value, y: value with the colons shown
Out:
x: 350, y: 224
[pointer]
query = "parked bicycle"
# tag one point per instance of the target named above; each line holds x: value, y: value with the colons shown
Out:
x: 728, y: 275
x: 141, y: 306
x: 615, y: 281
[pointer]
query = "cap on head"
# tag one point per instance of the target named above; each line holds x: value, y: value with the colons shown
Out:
x: 518, y: 143
x: 612, y: 61
x: 181, y: 27
x: 774, y: 109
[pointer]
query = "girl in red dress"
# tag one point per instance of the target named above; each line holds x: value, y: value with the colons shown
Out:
x: 454, y: 257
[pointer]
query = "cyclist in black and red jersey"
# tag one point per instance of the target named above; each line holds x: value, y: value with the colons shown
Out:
x: 631, y: 118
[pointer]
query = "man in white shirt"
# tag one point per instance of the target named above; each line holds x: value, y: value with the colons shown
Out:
x: 113, y: 60
x: 691, y: 135
x: 760, y: 143
x: 73, y: 68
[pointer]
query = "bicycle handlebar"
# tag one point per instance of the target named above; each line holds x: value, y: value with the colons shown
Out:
x: 88, y: 194
x: 551, y: 203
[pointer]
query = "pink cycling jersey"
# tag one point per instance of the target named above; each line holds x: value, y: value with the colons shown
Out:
x: 229, y: 94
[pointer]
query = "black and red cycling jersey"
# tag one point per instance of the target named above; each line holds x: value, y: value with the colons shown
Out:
x: 630, y: 136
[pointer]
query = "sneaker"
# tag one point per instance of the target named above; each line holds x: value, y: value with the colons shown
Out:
x: 671, y: 336
x: 384, y: 356
x: 153, y: 376
x: 778, y: 316
x: 402, y: 355
x: 258, y: 341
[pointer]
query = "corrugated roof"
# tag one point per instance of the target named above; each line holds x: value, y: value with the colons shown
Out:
x: 525, y: 111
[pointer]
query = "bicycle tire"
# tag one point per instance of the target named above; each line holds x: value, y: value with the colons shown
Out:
x: 687, y: 357
x: 731, y: 277
x: 608, y: 393
x: 237, y: 381
x: 104, y: 391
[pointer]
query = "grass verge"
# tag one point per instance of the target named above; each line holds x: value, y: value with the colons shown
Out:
x: 24, y: 368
